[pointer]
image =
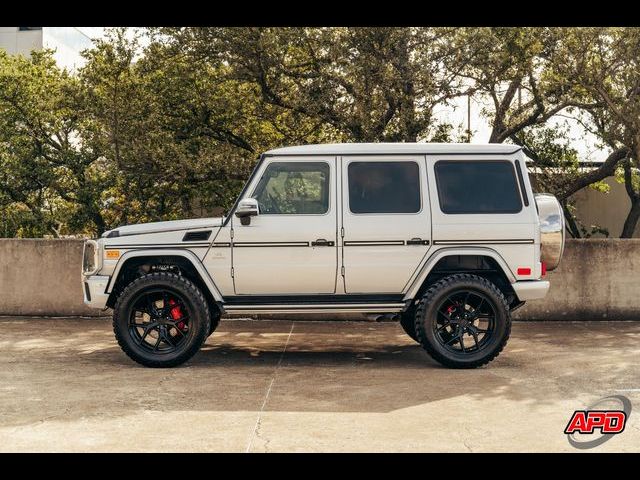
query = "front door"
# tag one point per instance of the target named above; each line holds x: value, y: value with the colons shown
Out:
x: 290, y: 247
x: 386, y: 221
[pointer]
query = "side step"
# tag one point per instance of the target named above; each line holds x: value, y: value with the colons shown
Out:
x: 318, y: 308
x: 315, y: 304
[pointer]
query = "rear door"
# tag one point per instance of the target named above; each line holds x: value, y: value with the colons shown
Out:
x: 385, y: 221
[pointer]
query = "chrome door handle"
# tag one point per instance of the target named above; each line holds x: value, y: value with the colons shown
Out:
x: 417, y: 241
x: 321, y: 242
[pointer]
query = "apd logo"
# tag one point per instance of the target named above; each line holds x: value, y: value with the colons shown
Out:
x: 606, y: 422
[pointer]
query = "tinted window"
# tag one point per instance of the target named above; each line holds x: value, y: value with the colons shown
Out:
x: 384, y: 187
x: 477, y: 187
x: 290, y: 188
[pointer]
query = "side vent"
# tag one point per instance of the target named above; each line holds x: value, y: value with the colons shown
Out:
x: 197, y: 236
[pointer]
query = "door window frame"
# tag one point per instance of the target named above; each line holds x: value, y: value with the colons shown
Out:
x: 273, y: 160
x: 387, y: 159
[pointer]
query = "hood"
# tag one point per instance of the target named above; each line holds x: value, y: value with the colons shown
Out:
x: 155, y: 227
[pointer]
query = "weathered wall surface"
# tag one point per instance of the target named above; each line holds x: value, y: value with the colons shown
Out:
x: 41, y: 277
x: 597, y: 279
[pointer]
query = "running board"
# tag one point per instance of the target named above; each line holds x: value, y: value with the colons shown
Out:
x: 317, y: 308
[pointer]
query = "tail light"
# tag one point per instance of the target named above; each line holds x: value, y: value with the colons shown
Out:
x: 543, y: 268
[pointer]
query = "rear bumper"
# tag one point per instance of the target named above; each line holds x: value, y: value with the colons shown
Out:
x: 94, y: 291
x: 531, y: 289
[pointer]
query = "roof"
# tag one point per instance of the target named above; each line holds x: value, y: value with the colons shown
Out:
x: 394, y: 148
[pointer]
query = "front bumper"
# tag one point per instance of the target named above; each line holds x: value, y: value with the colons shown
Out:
x: 531, y: 289
x: 94, y: 291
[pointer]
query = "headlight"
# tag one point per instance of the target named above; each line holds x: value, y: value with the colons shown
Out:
x: 91, y: 257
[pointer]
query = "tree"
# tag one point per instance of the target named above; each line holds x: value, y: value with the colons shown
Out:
x: 48, y: 179
x: 181, y: 133
x: 604, y: 64
x: 556, y: 166
x: 366, y: 84
x: 532, y: 75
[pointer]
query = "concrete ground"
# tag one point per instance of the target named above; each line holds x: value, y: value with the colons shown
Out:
x: 308, y: 386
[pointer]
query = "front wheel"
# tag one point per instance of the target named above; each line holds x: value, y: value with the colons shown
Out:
x: 161, y: 320
x: 463, y: 321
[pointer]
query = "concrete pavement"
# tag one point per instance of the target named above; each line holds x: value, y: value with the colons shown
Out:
x: 308, y: 386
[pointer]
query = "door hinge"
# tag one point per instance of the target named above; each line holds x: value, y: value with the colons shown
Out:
x: 342, y: 232
x: 342, y: 270
x: 231, y: 232
x: 232, y: 273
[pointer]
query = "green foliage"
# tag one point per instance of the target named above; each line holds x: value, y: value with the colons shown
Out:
x: 171, y: 129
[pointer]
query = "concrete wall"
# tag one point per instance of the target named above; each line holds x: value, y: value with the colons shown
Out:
x: 597, y: 279
x: 41, y: 277
x: 608, y: 210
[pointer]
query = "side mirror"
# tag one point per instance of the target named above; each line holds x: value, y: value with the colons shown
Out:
x: 247, y: 208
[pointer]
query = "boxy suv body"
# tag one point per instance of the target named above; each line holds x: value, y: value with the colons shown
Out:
x: 449, y: 238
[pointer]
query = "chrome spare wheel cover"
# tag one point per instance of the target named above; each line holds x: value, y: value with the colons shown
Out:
x: 551, y: 229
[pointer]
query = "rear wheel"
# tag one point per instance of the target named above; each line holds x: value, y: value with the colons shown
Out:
x: 161, y: 320
x: 408, y: 323
x: 463, y: 321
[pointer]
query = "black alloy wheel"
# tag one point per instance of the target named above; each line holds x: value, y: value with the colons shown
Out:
x: 463, y: 321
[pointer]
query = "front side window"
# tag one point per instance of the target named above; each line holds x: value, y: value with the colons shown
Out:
x: 294, y: 188
x: 478, y: 186
x: 384, y: 187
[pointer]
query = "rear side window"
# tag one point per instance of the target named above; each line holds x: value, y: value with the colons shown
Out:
x: 478, y: 186
x: 384, y: 187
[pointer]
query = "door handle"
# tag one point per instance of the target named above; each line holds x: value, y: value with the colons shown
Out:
x: 321, y: 242
x: 417, y: 241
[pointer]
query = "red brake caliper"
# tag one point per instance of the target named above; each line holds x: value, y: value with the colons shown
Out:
x: 176, y: 313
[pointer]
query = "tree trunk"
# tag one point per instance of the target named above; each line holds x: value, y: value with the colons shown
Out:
x: 572, y: 226
x: 632, y: 220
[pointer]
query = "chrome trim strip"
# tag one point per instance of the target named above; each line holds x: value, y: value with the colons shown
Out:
x: 484, y: 242
x: 367, y: 243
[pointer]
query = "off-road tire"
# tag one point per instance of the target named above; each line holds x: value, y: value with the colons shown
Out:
x: 426, y: 316
x: 408, y: 323
x: 199, y: 321
x: 214, y: 321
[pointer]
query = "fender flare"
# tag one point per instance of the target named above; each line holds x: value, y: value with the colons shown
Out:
x: 189, y: 255
x: 416, y: 283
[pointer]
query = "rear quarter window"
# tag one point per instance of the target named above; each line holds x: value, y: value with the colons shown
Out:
x: 477, y: 186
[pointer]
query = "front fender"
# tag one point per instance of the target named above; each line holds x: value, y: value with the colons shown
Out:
x: 190, y: 256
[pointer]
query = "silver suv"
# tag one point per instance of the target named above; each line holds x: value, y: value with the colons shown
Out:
x: 449, y: 238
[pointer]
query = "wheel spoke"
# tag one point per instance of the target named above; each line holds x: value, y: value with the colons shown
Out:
x: 155, y: 347
x: 466, y: 299
x: 453, y: 339
x: 452, y: 302
x: 165, y: 302
x: 151, y: 307
x: 179, y: 331
x: 144, y: 335
x: 443, y: 327
x: 462, y: 341
x: 475, y: 338
x: 166, y: 339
